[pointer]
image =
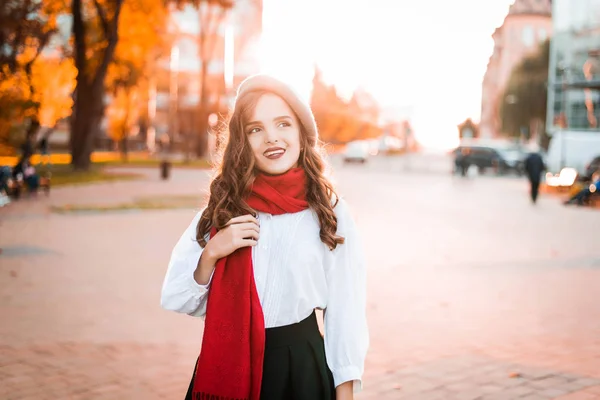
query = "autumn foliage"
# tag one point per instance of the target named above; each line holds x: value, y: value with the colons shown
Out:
x: 341, y: 121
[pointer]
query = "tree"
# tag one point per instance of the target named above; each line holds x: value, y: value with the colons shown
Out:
x: 339, y: 121
x: 109, y: 33
x: 212, y: 15
x: 142, y: 41
x: 95, y: 35
x: 26, y: 28
x: 123, y: 114
x: 523, y: 103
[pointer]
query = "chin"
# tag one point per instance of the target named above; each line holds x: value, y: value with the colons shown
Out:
x: 275, y: 169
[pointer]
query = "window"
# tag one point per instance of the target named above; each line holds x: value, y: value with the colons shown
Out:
x: 542, y: 34
x: 528, y: 36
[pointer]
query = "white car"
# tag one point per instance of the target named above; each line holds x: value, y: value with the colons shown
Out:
x: 357, y: 151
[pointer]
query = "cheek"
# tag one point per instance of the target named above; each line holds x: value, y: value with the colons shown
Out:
x: 296, y: 139
x: 255, y: 142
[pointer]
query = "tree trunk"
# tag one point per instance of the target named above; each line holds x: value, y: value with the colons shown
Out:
x: 202, y: 138
x: 89, y: 99
x: 85, y: 126
x: 33, y: 129
x: 125, y: 129
x: 124, y: 147
x: 202, y: 142
x: 31, y: 135
x: 34, y: 126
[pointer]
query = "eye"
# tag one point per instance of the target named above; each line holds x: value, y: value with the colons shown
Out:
x: 284, y: 124
x: 253, y: 130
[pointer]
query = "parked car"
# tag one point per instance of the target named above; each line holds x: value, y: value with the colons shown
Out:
x: 389, y: 144
x: 373, y: 145
x: 357, y: 151
x: 512, y: 160
x: 502, y: 160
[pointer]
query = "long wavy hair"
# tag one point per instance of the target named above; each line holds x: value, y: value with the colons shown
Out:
x: 235, y: 171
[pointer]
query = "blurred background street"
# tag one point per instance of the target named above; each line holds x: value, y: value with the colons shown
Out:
x: 112, y: 114
x: 468, y: 286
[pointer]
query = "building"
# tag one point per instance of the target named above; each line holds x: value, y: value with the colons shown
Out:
x: 528, y: 23
x: 573, y: 118
x: 574, y: 73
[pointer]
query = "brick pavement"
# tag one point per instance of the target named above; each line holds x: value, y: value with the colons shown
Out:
x: 484, y: 296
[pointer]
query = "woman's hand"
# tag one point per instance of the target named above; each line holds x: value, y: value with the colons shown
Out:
x: 239, y: 232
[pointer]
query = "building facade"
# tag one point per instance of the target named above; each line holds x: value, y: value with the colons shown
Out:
x: 527, y: 24
x: 574, y: 74
x: 573, y: 112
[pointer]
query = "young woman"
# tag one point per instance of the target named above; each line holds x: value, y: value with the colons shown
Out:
x: 273, y: 244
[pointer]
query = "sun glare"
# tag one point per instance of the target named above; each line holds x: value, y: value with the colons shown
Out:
x: 401, y: 53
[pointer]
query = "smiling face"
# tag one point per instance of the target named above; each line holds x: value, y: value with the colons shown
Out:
x: 273, y: 132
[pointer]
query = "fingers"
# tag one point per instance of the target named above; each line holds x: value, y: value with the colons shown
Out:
x: 246, y: 231
x: 248, y: 226
x: 248, y: 242
x: 250, y: 235
x: 242, y: 219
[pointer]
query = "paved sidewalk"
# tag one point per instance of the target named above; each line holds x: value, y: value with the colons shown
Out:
x: 471, y: 296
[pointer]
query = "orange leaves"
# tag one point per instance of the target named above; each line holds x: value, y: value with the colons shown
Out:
x: 123, y: 113
x: 54, y: 80
x: 338, y: 120
x: 142, y: 28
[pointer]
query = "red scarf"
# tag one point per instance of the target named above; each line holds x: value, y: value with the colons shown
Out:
x: 231, y: 360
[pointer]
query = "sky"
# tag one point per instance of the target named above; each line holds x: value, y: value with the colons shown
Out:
x: 425, y: 59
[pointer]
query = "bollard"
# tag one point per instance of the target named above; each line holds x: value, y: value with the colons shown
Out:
x: 165, y: 170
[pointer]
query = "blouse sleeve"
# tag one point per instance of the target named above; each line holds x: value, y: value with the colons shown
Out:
x: 180, y: 291
x: 346, y: 331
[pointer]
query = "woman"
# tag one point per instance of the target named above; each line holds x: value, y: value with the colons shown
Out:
x: 274, y: 244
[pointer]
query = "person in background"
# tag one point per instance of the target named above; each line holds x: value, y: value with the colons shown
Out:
x: 534, y: 167
x: 581, y: 197
x: 5, y: 175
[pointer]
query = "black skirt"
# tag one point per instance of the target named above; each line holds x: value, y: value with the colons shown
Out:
x: 295, y: 367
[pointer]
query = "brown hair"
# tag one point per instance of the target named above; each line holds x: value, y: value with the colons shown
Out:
x: 235, y: 172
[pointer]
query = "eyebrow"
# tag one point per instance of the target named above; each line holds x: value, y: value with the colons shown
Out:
x: 274, y: 119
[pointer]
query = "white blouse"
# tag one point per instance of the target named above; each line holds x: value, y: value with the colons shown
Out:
x: 295, y: 273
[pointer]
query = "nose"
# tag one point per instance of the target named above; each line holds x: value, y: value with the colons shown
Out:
x: 271, y: 136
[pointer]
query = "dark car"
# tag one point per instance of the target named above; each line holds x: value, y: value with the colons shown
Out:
x: 484, y: 157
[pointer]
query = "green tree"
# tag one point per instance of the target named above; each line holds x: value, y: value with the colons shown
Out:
x: 523, y: 102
